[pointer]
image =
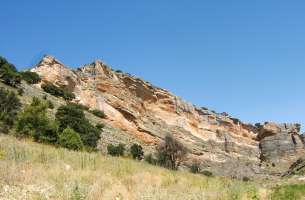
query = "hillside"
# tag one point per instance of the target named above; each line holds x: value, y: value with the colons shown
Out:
x: 34, y: 171
x: 262, y: 161
x: 140, y: 112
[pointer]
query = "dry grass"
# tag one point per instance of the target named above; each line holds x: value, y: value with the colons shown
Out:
x: 34, y: 171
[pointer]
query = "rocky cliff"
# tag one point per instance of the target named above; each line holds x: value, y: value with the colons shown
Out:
x: 140, y: 112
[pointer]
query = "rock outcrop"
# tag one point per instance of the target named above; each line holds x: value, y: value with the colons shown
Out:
x: 145, y: 114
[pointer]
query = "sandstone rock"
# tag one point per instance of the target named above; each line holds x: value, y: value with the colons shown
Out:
x: 140, y: 112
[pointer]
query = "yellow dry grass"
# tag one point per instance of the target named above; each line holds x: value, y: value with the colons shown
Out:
x: 34, y: 171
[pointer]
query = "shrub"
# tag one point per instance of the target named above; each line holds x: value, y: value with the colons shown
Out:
x: 9, y: 107
x: 50, y: 133
x: 70, y: 139
x: 30, y: 77
x: 207, y: 173
x: 195, y: 168
x: 98, y: 113
x: 150, y: 159
x: 68, y: 96
x: 116, y: 150
x: 20, y: 91
x: 136, y: 151
x: 246, y: 179
x: 8, y: 73
x: 57, y: 92
x: 170, y: 153
x: 52, y: 89
x: 50, y: 104
x: 100, y: 126
x: 33, y: 122
x: 72, y: 115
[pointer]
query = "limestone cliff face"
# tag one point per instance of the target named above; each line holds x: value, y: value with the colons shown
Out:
x: 146, y: 113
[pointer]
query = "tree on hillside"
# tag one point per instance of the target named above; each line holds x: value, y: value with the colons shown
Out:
x: 72, y: 115
x: 33, y: 122
x: 8, y: 73
x: 136, y: 151
x: 9, y: 107
x: 70, y: 139
x: 116, y: 150
x: 170, y: 153
x: 57, y: 91
x: 30, y: 77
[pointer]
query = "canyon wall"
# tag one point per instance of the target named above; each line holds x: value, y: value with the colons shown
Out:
x: 139, y: 112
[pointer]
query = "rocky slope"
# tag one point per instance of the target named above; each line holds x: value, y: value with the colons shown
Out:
x: 139, y: 112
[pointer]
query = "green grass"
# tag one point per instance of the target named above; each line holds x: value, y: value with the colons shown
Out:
x: 289, y: 192
x: 35, y: 171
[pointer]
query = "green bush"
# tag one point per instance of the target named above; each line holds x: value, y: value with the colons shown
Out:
x: 170, y: 153
x: 68, y: 96
x: 8, y: 73
x: 52, y: 89
x: 72, y: 115
x: 20, y: 91
x: 136, y: 151
x: 116, y: 150
x: 50, y: 104
x: 57, y: 91
x: 100, y: 126
x: 98, y: 113
x: 33, y: 122
x: 30, y: 77
x: 70, y: 139
x: 50, y: 133
x: 9, y: 107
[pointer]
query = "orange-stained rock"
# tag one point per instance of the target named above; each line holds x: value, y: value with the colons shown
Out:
x: 148, y: 113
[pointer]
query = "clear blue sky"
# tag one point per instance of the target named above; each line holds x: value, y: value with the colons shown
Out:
x: 243, y: 57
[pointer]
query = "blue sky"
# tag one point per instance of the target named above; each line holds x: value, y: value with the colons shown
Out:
x: 246, y: 58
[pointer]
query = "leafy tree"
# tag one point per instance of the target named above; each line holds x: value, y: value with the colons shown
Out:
x: 9, y: 107
x: 70, y: 139
x: 116, y: 150
x: 136, y: 151
x: 8, y: 73
x: 72, y: 115
x: 50, y: 133
x: 170, y: 153
x: 33, y: 122
x: 30, y: 77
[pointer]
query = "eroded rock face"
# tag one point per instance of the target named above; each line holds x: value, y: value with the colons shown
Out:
x: 146, y: 113
x: 281, y: 144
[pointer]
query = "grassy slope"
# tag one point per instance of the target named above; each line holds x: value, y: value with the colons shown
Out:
x: 35, y: 171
